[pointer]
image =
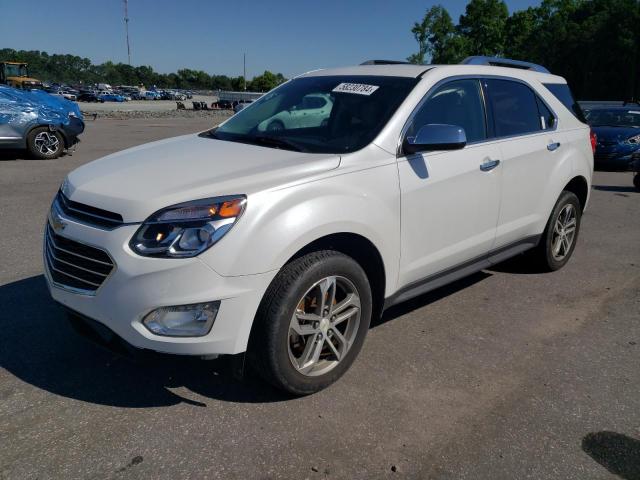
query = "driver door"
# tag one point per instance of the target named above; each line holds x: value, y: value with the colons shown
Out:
x: 450, y: 199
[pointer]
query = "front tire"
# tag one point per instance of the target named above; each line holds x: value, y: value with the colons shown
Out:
x: 44, y: 144
x: 561, y: 233
x: 311, y: 323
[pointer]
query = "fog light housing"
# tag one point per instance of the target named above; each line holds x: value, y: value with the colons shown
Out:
x: 193, y: 320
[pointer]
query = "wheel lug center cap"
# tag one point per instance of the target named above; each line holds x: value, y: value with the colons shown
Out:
x: 324, y: 325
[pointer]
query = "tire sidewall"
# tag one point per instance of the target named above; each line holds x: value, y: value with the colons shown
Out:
x: 285, y: 372
x: 565, y: 199
x: 33, y: 151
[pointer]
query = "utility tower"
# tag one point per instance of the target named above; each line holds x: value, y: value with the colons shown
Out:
x: 126, y: 27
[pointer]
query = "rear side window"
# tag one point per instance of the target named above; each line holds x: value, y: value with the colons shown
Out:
x: 459, y: 103
x: 561, y: 92
x: 514, y: 106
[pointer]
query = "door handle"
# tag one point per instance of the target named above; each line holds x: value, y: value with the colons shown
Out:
x: 489, y: 165
x: 553, y: 146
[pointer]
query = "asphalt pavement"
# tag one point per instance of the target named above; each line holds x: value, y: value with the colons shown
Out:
x: 507, y: 374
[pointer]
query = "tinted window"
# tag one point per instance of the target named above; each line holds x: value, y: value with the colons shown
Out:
x: 455, y: 103
x: 515, y: 109
x: 561, y: 92
x: 547, y: 119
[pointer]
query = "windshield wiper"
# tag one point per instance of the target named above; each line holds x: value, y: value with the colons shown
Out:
x: 274, y: 142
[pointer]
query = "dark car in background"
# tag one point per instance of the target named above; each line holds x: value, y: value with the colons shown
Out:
x: 617, y: 129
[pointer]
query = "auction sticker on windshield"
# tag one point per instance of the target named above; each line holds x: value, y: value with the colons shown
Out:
x: 358, y: 88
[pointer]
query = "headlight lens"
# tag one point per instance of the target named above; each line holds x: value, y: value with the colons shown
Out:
x: 187, y: 229
x: 634, y: 140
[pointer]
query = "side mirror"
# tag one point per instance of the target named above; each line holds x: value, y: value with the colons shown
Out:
x: 436, y: 136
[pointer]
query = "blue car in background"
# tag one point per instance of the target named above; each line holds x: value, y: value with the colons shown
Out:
x: 110, y: 97
x: 43, y: 124
x: 617, y: 129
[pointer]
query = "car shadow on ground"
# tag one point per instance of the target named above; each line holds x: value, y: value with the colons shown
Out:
x: 7, y: 155
x: 616, y: 452
x: 39, y: 346
x: 615, y: 188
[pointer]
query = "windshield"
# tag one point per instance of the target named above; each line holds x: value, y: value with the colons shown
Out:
x: 325, y: 114
x: 12, y: 70
x: 614, y: 117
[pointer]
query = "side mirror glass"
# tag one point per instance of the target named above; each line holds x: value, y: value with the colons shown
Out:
x: 436, y: 136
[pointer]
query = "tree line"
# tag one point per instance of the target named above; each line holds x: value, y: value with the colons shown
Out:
x: 594, y: 44
x: 72, y: 69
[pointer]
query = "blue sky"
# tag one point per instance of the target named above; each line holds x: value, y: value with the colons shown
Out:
x: 285, y: 36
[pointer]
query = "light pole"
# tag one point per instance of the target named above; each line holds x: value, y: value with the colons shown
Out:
x: 126, y: 27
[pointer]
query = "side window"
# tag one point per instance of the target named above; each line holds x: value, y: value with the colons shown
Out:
x: 455, y: 103
x: 562, y: 92
x: 547, y: 119
x: 515, y: 108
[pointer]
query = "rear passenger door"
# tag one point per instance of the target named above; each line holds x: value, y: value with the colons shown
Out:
x: 525, y: 129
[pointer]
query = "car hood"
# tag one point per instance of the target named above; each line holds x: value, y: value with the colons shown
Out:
x: 615, y: 134
x: 37, y: 103
x: 141, y: 180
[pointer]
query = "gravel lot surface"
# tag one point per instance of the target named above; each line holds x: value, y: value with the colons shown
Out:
x: 504, y: 375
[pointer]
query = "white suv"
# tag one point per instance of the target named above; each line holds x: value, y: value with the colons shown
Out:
x: 284, y: 243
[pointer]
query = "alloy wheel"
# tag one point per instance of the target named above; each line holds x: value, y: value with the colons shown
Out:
x: 564, y: 232
x: 46, y: 143
x: 324, y: 326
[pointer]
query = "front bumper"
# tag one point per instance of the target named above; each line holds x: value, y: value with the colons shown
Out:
x: 138, y: 285
x: 72, y: 131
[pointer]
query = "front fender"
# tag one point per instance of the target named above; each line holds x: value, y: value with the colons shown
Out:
x: 279, y: 223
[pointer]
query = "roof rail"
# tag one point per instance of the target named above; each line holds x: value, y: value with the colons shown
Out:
x: 504, y: 62
x: 385, y: 62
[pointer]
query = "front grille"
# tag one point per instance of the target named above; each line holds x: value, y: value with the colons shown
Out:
x: 73, y: 264
x: 88, y: 214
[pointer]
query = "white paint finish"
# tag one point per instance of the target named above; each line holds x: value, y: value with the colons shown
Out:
x: 423, y: 214
x: 449, y: 209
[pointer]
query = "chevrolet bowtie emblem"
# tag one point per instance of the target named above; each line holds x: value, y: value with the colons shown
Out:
x: 56, y: 221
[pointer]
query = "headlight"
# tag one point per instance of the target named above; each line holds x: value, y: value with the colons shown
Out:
x: 634, y: 140
x: 187, y: 229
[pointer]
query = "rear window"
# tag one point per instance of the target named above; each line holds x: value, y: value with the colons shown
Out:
x: 561, y: 92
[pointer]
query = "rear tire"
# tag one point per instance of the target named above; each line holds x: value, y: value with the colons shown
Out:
x: 561, y: 233
x: 636, y: 181
x: 44, y: 144
x: 311, y: 323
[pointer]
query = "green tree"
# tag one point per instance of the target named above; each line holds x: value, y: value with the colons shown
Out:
x: 437, y: 38
x: 483, y: 26
x: 265, y: 82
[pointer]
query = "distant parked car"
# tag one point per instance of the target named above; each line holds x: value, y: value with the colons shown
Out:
x: 223, y: 104
x: 89, y: 97
x: 69, y: 95
x: 111, y: 97
x: 152, y: 95
x: 241, y: 104
x: 617, y: 129
x: 43, y: 124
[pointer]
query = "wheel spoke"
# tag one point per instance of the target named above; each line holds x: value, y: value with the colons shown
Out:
x: 351, y: 300
x: 336, y: 352
x: 328, y: 293
x: 557, y: 244
x: 311, y: 354
x: 566, y: 244
x: 345, y: 315
x: 303, y: 329
x: 342, y: 342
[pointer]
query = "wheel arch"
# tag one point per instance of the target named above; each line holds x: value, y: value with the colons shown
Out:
x: 363, y: 251
x: 579, y: 186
